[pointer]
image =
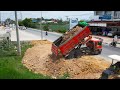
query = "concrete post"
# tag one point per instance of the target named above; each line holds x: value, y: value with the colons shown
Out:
x: 17, y: 33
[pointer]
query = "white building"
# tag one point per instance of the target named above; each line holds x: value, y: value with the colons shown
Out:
x: 113, y: 15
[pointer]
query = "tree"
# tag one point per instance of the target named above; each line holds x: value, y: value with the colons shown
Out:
x: 60, y: 21
x: 12, y: 22
x: 20, y: 23
x: 38, y: 19
x: 42, y: 18
x: 27, y: 22
x: 9, y: 21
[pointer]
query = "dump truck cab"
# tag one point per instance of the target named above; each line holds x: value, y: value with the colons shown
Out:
x: 95, y: 45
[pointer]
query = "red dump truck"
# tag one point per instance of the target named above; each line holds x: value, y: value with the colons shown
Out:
x: 72, y: 46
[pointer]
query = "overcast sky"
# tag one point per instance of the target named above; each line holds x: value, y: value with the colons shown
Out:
x: 48, y: 14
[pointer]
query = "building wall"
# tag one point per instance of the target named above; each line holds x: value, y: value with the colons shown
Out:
x: 117, y: 14
x: 114, y: 14
x: 99, y: 13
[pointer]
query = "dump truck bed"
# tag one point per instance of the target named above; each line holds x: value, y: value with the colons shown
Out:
x: 65, y: 47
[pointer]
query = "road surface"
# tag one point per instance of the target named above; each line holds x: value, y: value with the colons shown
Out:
x: 52, y: 36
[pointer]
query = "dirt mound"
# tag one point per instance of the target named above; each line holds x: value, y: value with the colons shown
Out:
x: 37, y: 42
x: 38, y: 59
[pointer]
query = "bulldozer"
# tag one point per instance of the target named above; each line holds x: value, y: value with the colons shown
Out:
x: 113, y: 72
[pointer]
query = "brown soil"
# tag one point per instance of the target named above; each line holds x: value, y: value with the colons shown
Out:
x: 70, y: 33
x: 38, y: 59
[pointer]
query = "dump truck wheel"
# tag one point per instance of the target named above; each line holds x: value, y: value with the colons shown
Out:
x: 77, y: 53
x: 71, y: 55
x: 96, y: 52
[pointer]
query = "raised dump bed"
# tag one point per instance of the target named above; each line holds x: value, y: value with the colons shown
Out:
x: 70, y: 40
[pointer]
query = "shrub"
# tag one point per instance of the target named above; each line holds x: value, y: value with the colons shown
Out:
x: 46, y: 28
x: 7, y: 48
x: 32, y: 25
x: 61, y: 30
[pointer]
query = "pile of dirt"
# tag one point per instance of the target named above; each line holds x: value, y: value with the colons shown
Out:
x: 70, y: 33
x: 38, y: 59
x: 41, y: 42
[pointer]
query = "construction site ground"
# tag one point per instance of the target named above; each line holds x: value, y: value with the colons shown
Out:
x: 38, y: 59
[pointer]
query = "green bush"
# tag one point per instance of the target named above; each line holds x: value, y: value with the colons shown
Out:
x: 32, y: 25
x: 27, y: 23
x: 46, y: 28
x: 61, y: 30
x: 7, y: 48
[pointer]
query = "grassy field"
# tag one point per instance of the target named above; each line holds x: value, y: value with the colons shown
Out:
x: 12, y: 68
x: 56, y: 27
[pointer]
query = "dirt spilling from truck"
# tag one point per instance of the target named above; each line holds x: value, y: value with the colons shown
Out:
x: 38, y: 59
x: 70, y: 33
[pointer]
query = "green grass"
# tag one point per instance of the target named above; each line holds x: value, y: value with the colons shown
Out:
x: 56, y: 27
x: 12, y: 68
x: 65, y: 76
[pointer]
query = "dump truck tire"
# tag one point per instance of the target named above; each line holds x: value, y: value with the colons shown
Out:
x: 71, y: 54
x: 77, y: 53
x: 97, y: 52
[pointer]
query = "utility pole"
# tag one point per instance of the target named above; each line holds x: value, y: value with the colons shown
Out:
x: 41, y: 27
x: 21, y: 15
x: 17, y: 34
x: 0, y: 18
x: 66, y: 18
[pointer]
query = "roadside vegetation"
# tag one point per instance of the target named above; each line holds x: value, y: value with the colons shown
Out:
x: 11, y: 66
x: 60, y: 27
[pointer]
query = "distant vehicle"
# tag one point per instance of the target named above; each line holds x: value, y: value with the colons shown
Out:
x: 110, y: 34
x: 22, y: 28
x: 115, y: 30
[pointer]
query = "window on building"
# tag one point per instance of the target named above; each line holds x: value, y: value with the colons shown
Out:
x: 99, y: 12
x: 108, y: 12
x: 117, y: 14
